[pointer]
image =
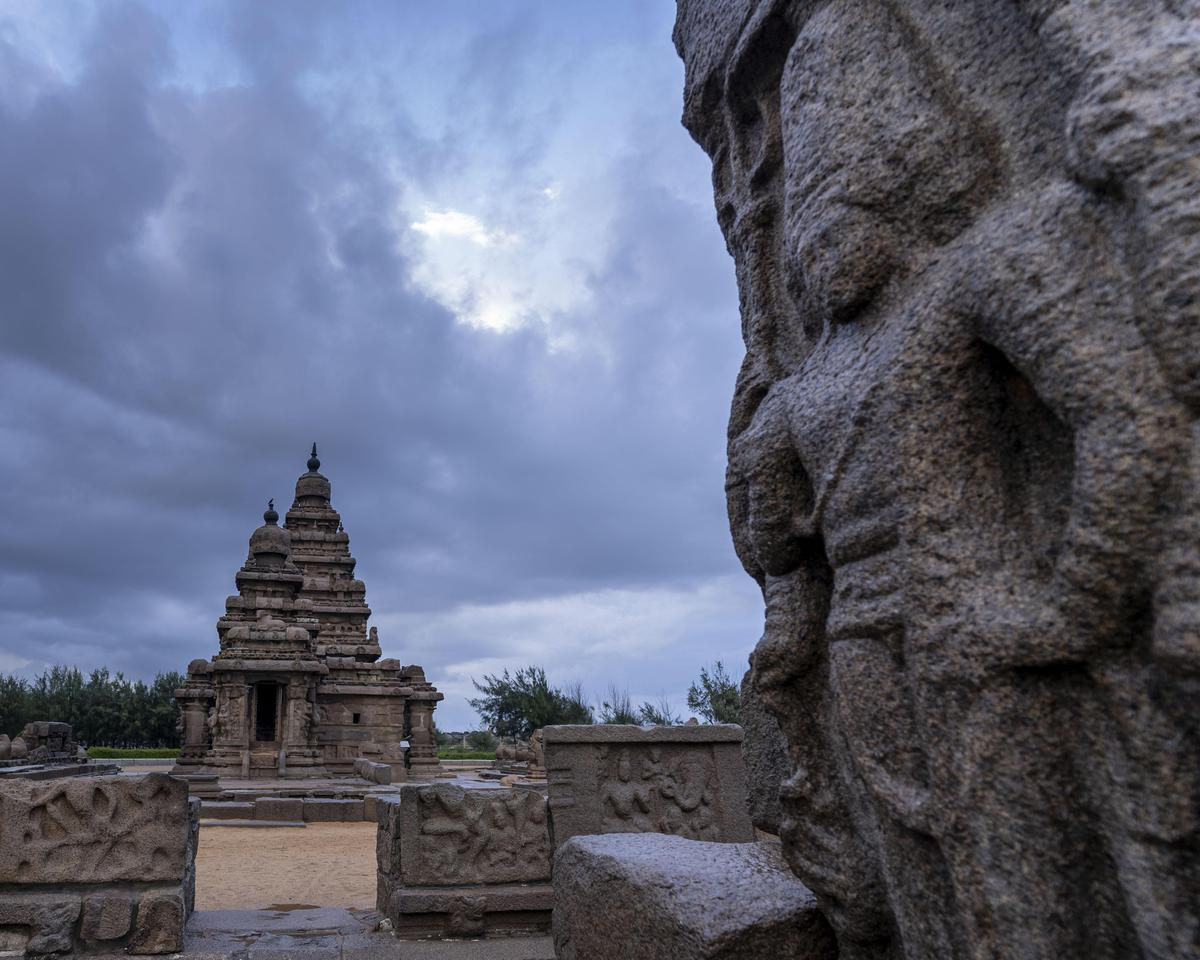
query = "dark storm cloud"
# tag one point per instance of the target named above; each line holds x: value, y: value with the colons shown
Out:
x: 197, y: 282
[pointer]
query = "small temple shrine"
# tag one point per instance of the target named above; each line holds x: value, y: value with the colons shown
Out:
x: 298, y: 688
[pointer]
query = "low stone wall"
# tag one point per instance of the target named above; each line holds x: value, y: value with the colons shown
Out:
x: 372, y: 771
x: 683, y: 780
x: 459, y: 863
x: 96, y: 864
x: 289, y: 810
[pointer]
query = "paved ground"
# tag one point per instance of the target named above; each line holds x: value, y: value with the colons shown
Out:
x: 329, y: 933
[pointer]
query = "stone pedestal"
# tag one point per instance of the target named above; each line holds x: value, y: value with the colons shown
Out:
x: 655, y: 897
x: 455, y: 862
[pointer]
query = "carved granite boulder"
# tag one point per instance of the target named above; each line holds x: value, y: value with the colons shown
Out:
x: 964, y: 456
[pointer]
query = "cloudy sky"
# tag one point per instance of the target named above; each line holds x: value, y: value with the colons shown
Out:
x: 467, y: 248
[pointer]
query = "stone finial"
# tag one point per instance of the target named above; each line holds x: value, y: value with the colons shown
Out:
x: 313, y: 463
x: 270, y: 516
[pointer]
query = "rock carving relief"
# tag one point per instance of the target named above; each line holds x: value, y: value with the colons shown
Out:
x: 963, y: 454
x: 93, y: 830
x: 641, y: 791
x: 468, y: 836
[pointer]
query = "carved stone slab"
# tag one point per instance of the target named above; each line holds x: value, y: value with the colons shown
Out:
x: 684, y: 780
x: 443, y: 835
x: 93, y: 829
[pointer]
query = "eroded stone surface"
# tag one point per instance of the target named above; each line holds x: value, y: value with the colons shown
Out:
x: 764, y: 752
x: 612, y: 778
x: 964, y: 456
x: 93, y: 829
x: 159, y: 927
x: 44, y: 921
x: 106, y: 915
x: 655, y: 897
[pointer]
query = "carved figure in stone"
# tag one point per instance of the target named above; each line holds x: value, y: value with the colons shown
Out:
x: 537, y: 749
x: 626, y: 803
x: 687, y: 811
x: 963, y: 456
x: 374, y: 636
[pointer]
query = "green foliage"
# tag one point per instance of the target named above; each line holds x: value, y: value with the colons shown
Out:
x: 618, y: 708
x: 452, y: 754
x: 659, y: 714
x: 483, y: 740
x: 103, y: 709
x: 716, y: 698
x: 514, y: 705
x: 133, y: 753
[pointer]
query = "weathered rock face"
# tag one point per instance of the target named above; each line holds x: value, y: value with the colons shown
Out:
x: 655, y: 897
x: 764, y: 752
x: 964, y: 456
x: 616, y: 778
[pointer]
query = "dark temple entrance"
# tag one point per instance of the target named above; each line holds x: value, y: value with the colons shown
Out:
x: 266, y: 712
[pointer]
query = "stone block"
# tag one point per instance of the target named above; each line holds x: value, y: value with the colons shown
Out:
x: 107, y: 915
x: 93, y: 829
x: 45, y: 922
x: 764, y: 754
x: 370, y: 813
x: 656, y: 897
x: 332, y: 811
x: 226, y: 810
x: 442, y: 835
x: 159, y: 927
x: 471, y: 911
x: 682, y: 780
x: 278, y: 808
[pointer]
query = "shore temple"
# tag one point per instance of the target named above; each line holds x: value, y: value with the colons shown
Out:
x: 298, y: 688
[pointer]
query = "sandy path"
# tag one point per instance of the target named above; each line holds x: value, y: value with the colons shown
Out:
x: 323, y: 864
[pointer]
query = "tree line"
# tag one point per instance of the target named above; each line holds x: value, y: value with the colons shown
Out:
x: 103, y: 709
x: 513, y: 705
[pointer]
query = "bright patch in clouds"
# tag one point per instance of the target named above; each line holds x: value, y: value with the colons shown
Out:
x: 454, y: 224
x: 499, y: 279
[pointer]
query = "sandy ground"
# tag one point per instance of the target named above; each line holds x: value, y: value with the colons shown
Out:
x: 323, y: 864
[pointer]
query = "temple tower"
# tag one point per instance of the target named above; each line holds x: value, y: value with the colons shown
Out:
x: 251, y: 710
x: 301, y: 608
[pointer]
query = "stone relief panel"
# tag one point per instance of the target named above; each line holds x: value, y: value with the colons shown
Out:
x: 963, y: 456
x: 93, y: 829
x: 686, y: 781
x: 647, y: 792
x: 444, y: 835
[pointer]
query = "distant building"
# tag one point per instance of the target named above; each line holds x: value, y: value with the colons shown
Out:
x: 298, y: 689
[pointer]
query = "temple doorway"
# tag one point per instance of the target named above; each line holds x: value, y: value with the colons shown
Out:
x: 266, y: 712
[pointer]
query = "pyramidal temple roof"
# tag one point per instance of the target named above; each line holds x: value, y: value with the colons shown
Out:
x: 321, y: 551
